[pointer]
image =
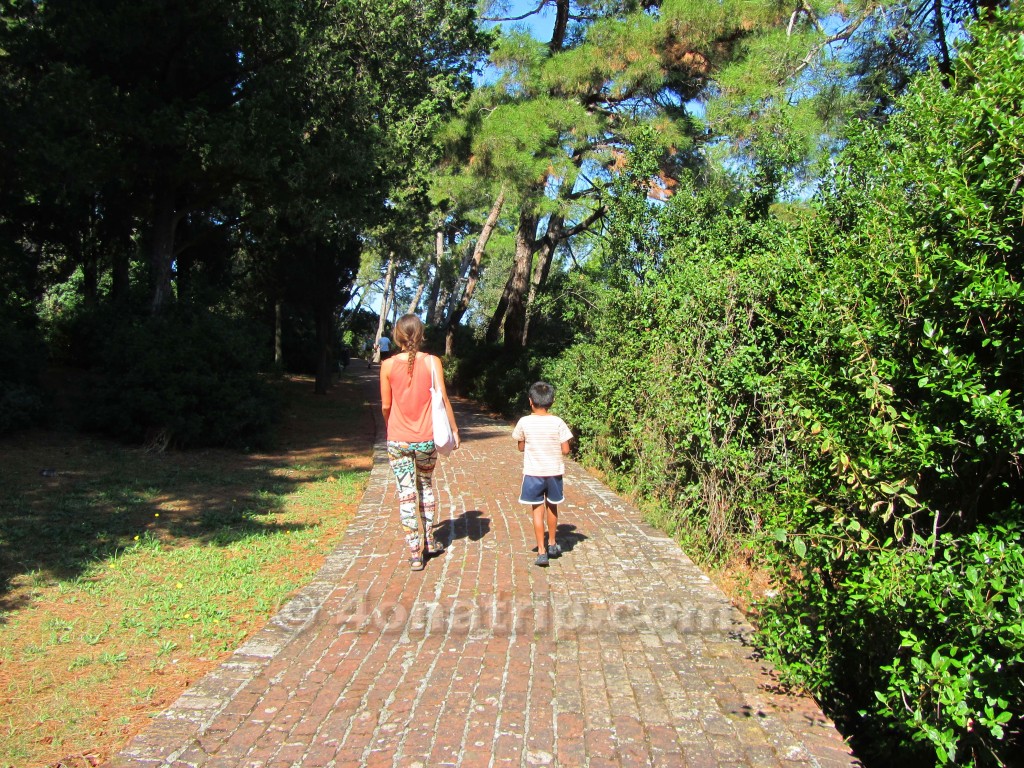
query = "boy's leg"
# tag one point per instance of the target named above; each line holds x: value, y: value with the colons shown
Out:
x: 539, y: 512
x: 552, y: 516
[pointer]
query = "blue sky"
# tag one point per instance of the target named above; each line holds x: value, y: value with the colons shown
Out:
x: 539, y: 25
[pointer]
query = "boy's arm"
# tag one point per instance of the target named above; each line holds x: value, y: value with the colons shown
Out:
x: 519, y: 435
x: 566, y: 434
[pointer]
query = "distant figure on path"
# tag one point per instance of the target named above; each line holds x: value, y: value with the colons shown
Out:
x: 544, y: 440
x: 380, y: 351
x: 405, y: 402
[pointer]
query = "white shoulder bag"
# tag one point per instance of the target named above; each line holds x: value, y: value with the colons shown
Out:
x: 444, y: 439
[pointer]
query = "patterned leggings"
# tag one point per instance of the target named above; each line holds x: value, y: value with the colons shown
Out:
x: 413, y: 465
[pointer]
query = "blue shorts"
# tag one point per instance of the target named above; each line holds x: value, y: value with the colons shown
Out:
x: 537, y: 489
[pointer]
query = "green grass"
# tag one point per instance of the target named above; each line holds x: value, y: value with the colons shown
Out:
x: 132, y: 573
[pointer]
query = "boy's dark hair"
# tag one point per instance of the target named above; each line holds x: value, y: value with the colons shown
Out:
x: 542, y: 394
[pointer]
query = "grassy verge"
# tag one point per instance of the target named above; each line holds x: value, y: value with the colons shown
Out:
x: 125, y: 576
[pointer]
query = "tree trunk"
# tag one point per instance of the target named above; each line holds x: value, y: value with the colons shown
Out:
x: 416, y: 299
x: 541, y: 269
x: 459, y: 310
x: 494, y: 326
x: 324, y: 341
x: 358, y: 294
x: 121, y: 267
x: 86, y: 256
x: 519, y: 281
x: 183, y: 275
x: 278, y: 350
x: 161, y: 256
x: 384, y: 300
x: 561, y: 25
x: 116, y: 225
x: 945, y: 63
x: 435, y: 283
x: 394, y: 301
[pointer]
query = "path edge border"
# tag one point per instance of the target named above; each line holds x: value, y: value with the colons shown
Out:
x: 179, y: 727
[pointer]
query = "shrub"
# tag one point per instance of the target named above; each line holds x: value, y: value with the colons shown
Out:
x: 679, y: 391
x: 22, y: 356
x: 843, y: 390
x: 920, y: 645
x: 905, y: 609
x: 488, y: 374
x: 184, y: 378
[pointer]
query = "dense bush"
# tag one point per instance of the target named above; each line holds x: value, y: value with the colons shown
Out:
x: 922, y: 644
x: 22, y: 356
x: 184, y: 378
x: 487, y: 374
x: 685, y: 366
x: 842, y: 393
x: 915, y: 404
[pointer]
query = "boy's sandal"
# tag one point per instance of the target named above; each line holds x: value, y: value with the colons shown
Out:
x: 416, y: 563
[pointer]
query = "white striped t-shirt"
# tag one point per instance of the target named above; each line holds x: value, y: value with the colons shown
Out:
x: 544, y: 435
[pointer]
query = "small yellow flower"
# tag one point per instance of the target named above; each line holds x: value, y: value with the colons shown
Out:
x: 179, y: 585
x: 112, y: 565
x: 136, y: 538
x: 156, y: 514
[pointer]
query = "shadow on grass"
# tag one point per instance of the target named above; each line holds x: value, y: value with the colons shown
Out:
x: 71, y: 500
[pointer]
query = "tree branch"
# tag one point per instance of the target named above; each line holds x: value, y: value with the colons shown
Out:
x: 597, y: 213
x: 561, y: 24
x: 528, y: 14
x: 842, y: 35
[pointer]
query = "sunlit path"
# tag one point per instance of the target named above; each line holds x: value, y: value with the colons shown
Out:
x: 620, y: 653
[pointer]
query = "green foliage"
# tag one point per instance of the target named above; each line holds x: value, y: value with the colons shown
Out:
x: 923, y: 643
x: 490, y: 375
x: 22, y: 356
x: 912, y: 402
x: 839, y: 390
x: 685, y: 366
x: 955, y: 681
x: 184, y: 379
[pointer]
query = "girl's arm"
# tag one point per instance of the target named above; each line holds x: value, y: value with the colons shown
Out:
x: 385, y: 389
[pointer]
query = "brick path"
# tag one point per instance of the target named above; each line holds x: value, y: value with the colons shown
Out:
x: 621, y: 653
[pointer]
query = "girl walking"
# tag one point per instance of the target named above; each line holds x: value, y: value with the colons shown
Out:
x: 405, y: 402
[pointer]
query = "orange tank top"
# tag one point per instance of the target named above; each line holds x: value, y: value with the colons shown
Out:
x: 410, y: 418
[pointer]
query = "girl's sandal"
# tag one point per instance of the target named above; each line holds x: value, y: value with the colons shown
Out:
x: 434, y: 547
x: 416, y: 563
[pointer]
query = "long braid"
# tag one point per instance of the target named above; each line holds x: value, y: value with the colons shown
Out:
x: 411, y: 354
x: 409, y: 335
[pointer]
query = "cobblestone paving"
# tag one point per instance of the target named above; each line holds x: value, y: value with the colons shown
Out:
x: 621, y: 653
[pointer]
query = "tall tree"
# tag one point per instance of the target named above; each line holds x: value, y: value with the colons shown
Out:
x: 561, y: 110
x: 461, y: 300
x: 177, y: 119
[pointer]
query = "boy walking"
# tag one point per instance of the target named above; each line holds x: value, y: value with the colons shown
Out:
x: 544, y: 440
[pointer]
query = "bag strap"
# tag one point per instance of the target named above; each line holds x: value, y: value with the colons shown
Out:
x: 433, y: 371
